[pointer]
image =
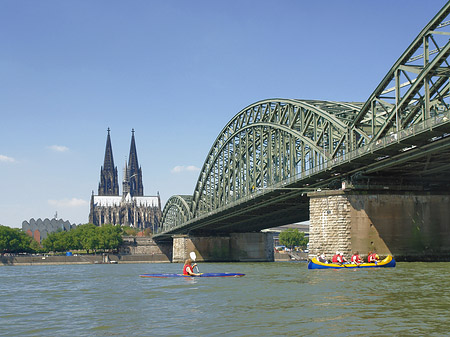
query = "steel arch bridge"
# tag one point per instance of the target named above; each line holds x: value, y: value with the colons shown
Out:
x: 275, y: 149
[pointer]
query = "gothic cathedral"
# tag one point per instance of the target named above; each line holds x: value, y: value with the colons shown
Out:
x: 131, y: 208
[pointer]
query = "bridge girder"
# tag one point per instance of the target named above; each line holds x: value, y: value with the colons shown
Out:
x: 416, y: 87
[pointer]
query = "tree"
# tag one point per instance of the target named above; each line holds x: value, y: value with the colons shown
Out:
x: 127, y: 230
x: 110, y: 237
x: 35, y: 246
x: 56, y: 242
x: 14, y: 240
x: 292, y: 237
x: 89, y: 237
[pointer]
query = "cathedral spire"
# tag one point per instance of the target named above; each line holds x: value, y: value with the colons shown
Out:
x: 109, y: 159
x: 133, y: 176
x: 108, y: 174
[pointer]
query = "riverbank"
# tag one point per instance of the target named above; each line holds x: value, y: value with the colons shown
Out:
x: 290, y: 256
x: 27, y: 260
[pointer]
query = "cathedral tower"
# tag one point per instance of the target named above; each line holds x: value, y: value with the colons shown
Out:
x: 109, y: 182
x: 131, y: 208
x: 132, y: 177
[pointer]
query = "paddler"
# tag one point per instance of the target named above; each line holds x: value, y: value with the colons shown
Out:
x: 373, y: 257
x: 335, y: 258
x: 188, y: 268
x: 356, y: 259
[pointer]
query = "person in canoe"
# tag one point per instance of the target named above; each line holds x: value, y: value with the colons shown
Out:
x: 336, y: 258
x: 342, y: 259
x: 322, y: 258
x: 188, y: 268
x: 356, y: 259
x: 373, y: 257
x: 339, y: 258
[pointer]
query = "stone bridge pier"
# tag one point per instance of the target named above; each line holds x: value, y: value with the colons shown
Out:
x: 234, y: 247
x: 411, y: 226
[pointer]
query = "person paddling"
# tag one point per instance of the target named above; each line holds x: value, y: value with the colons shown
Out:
x: 336, y: 258
x: 342, y: 259
x: 322, y: 258
x: 188, y: 268
x: 356, y: 259
x: 373, y: 257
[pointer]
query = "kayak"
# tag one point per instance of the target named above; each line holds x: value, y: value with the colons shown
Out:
x: 202, y: 275
x: 387, y: 262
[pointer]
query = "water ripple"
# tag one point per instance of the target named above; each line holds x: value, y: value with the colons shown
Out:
x: 273, y: 299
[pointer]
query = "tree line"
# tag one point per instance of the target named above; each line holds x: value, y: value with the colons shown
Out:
x: 84, y: 237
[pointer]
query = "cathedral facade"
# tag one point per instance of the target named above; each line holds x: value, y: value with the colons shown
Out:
x: 131, y: 208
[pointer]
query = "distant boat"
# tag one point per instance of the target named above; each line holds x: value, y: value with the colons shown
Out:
x: 387, y: 262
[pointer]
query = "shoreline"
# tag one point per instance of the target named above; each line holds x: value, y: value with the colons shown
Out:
x: 82, y: 259
x: 39, y: 260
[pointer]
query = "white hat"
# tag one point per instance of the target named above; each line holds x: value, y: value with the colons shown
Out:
x: 337, y: 253
x: 341, y: 253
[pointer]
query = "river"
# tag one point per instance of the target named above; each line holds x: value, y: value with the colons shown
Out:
x: 273, y: 299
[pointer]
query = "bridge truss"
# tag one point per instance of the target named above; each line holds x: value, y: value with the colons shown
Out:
x: 302, y: 144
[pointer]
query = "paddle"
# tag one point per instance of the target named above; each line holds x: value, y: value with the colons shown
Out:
x: 193, y: 258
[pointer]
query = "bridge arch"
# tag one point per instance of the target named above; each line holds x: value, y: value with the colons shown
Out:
x: 268, y: 142
x: 176, y: 211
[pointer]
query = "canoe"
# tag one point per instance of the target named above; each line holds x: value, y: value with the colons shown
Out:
x: 202, y: 275
x: 387, y: 262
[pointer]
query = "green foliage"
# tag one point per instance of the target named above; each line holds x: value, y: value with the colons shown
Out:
x: 14, y: 240
x: 127, y: 230
x: 110, y: 237
x: 85, y: 237
x: 292, y: 237
x: 36, y: 247
x: 88, y: 237
x: 56, y: 242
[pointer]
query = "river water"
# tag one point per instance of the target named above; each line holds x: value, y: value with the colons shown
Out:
x: 273, y: 299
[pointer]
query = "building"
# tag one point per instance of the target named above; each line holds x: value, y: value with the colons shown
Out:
x: 131, y: 208
x: 39, y: 229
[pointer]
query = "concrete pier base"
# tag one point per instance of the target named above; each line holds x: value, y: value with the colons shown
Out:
x: 411, y: 226
x: 235, y: 247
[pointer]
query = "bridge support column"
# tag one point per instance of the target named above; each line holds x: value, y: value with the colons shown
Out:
x: 411, y: 226
x: 235, y: 247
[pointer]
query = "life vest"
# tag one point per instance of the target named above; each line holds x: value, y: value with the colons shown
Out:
x: 372, y: 257
x: 356, y: 259
x: 185, y: 269
x: 335, y: 259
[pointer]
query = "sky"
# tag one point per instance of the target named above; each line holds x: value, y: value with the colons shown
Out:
x: 174, y: 71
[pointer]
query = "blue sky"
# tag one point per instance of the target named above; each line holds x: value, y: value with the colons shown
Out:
x: 176, y: 72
